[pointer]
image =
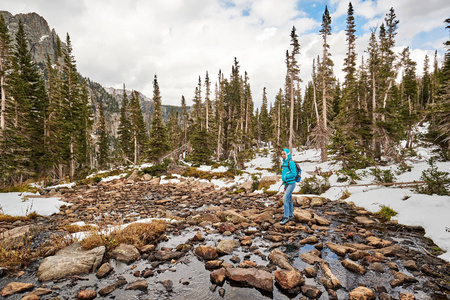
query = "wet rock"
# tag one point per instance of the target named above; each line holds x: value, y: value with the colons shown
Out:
x: 362, y: 293
x: 364, y: 220
x: 331, y: 279
x: 232, y: 216
x: 140, y: 285
x: 339, y: 249
x: 213, y: 264
x: 310, y: 272
x: 198, y: 237
x: 354, y: 267
x: 30, y: 297
x: 16, y: 287
x: 377, y: 242
x: 321, y: 220
x: 226, y: 227
x: 310, y: 240
x: 266, y: 216
x: 357, y: 255
x: 254, y: 277
x: 236, y: 259
x: 311, y: 291
x: 168, y: 285
x: 288, y: 280
x: 166, y: 255
x: 310, y: 258
x: 391, y: 250
x: 147, y: 273
x: 222, y: 292
x: 217, y: 276
x: 86, y: 295
x: 104, y: 270
x: 72, y: 260
x: 112, y: 287
x: 147, y: 248
x: 384, y: 296
x: 280, y: 259
x: 406, y: 296
x: 377, y: 267
x: 39, y: 292
x: 125, y: 253
x: 303, y: 216
x: 246, y: 241
x: 247, y: 264
x: 401, y: 278
x: 226, y: 246
x: 206, y: 252
x: 410, y: 265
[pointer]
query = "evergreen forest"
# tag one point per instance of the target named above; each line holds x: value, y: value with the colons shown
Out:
x: 51, y: 129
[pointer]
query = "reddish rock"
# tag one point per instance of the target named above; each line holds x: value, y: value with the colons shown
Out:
x: 254, y: 277
x: 16, y: 287
x: 362, y: 293
x: 206, y: 252
x: 87, y: 295
x: 289, y: 279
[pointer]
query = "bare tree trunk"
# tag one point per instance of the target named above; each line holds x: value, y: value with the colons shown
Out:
x: 72, y: 161
x: 291, y: 117
x: 279, y: 124
x: 135, y: 149
x: 3, y: 104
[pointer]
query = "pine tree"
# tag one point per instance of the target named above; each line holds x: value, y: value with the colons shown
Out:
x: 5, y: 65
x: 103, y: 143
x: 159, y: 144
x: 264, y: 119
x: 124, y: 130
x: 138, y: 129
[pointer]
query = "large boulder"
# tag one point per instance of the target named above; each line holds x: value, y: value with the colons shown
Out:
x: 72, y: 260
x: 232, y: 216
x: 280, y: 259
x: 254, y: 277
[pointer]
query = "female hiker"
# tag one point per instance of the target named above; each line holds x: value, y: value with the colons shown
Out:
x: 288, y: 176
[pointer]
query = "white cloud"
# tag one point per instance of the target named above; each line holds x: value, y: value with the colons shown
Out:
x: 116, y: 42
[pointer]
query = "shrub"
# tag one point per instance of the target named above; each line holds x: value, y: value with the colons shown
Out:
x: 383, y: 176
x: 156, y: 170
x: 386, y: 213
x: 436, y: 182
x: 313, y: 185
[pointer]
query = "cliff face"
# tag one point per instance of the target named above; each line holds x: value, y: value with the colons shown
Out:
x: 41, y: 39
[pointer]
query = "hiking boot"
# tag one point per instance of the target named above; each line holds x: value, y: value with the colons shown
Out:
x: 291, y: 218
x: 284, y: 221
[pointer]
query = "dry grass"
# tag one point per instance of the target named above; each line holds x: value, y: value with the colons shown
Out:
x: 137, y: 234
x: 193, y: 172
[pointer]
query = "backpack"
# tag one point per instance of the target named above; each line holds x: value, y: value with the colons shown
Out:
x: 298, y: 174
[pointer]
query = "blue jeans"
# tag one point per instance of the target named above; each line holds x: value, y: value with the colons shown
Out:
x: 287, y: 200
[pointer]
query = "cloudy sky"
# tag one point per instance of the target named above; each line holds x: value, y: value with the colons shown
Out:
x: 129, y: 41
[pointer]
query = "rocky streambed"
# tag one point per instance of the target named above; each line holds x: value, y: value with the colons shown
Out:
x: 221, y: 245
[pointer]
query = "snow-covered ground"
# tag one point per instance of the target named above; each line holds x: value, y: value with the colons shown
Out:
x: 430, y: 212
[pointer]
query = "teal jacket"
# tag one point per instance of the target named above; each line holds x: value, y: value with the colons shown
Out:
x: 288, y: 169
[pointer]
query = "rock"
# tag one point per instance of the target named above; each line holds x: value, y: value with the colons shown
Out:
x: 15, y: 233
x: 267, y: 181
x: 247, y: 186
x: 87, y: 295
x: 311, y: 291
x: 16, y: 287
x: 406, y: 296
x: 352, y: 266
x: 72, y: 260
x: 310, y: 258
x: 312, y: 239
x: 254, y: 277
x: 377, y: 267
x: 362, y: 293
x: 133, y: 175
x: 147, y: 177
x: 30, y: 297
x: 310, y: 272
x: 222, y: 292
x: 247, y: 264
x: 147, y: 248
x: 280, y: 259
x: 289, y: 279
x: 125, y: 253
x: 411, y: 265
x: 303, y: 216
x: 332, y: 279
x: 364, y: 220
x: 39, y: 292
x: 165, y: 255
x: 246, y: 241
x: 401, y: 278
x: 316, y: 201
x: 217, y: 276
x: 110, y: 288
x: 213, y: 264
x: 140, y: 285
x: 266, y: 216
x: 206, y: 252
x: 321, y: 220
x: 339, y: 249
x: 198, y: 237
x: 168, y: 284
x: 226, y: 246
x: 377, y: 242
x: 232, y: 216
x: 358, y: 254
x: 104, y: 270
